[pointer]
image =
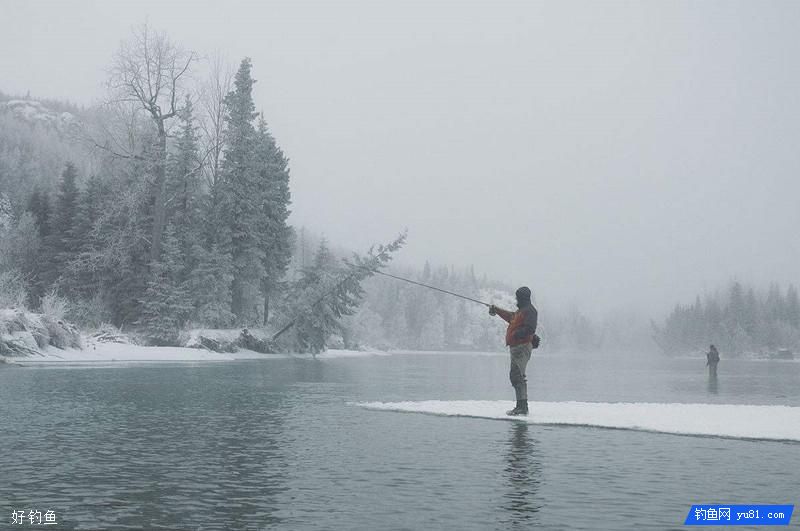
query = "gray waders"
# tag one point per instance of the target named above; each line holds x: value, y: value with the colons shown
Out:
x: 520, y: 356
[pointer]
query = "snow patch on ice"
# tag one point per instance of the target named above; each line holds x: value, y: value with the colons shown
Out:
x: 720, y: 420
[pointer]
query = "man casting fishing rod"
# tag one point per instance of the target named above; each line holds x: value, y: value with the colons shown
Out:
x: 520, y: 338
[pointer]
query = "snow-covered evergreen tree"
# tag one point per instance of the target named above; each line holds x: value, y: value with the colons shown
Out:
x: 122, y: 241
x: 277, y: 236
x: 320, y: 311
x: 62, y: 241
x: 183, y: 190
x: 39, y: 206
x: 81, y: 275
x: 241, y: 193
x: 210, y: 286
x: 167, y: 304
x: 330, y: 289
x: 19, y: 255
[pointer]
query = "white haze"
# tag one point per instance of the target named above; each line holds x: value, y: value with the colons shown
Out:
x: 609, y: 154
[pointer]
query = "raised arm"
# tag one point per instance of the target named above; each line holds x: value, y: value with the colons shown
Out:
x: 504, y: 314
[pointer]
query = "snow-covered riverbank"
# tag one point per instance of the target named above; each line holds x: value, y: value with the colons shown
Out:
x: 28, y: 338
x: 111, y: 353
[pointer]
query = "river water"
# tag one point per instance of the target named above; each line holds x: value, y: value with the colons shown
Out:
x: 280, y: 444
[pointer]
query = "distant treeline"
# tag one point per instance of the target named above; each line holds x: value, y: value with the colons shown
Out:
x: 739, y: 320
x: 400, y: 315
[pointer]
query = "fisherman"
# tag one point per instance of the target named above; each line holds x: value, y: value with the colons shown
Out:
x: 520, y: 336
x: 712, y: 359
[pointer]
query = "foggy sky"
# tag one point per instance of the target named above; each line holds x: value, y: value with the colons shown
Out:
x: 609, y: 154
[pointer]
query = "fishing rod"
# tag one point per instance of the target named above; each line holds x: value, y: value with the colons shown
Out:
x: 428, y: 286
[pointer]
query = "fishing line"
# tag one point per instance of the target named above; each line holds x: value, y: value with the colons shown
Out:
x: 429, y: 286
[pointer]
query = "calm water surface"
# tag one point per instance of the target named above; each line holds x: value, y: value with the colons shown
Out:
x: 276, y: 444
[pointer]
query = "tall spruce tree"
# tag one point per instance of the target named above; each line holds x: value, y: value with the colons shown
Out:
x: 43, y: 274
x: 61, y: 242
x: 241, y: 195
x: 183, y: 190
x: 211, y: 274
x: 277, y: 236
x: 66, y: 212
x: 82, y: 276
x: 39, y: 206
x: 90, y: 210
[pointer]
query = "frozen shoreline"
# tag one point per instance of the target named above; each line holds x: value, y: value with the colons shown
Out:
x: 111, y: 353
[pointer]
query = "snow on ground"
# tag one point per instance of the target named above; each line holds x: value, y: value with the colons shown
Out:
x: 735, y: 421
x: 109, y: 353
x: 229, y: 335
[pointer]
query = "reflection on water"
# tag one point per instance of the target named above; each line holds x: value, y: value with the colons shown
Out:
x: 713, y: 387
x: 523, y: 475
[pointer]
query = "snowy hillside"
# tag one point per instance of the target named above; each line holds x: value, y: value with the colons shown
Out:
x: 34, y: 112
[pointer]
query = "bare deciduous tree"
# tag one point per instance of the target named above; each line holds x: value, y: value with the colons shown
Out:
x: 212, y: 101
x: 149, y: 71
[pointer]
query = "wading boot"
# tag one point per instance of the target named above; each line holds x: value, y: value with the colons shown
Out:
x: 520, y: 409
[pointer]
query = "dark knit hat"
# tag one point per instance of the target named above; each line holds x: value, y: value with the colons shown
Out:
x: 523, y: 294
